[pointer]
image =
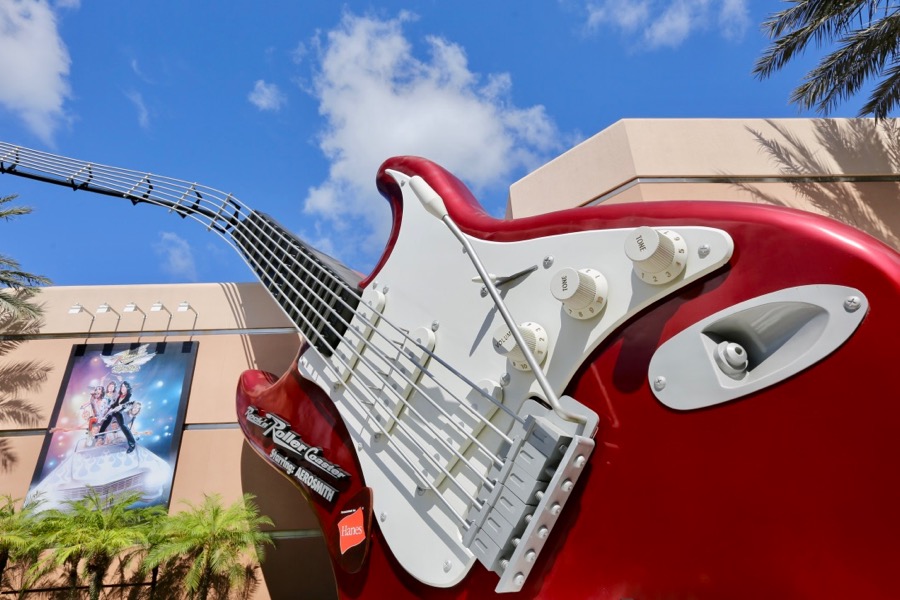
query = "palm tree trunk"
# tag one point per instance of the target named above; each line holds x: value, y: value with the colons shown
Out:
x: 73, y: 582
x: 4, y: 558
x: 205, y: 580
x: 95, y: 584
x: 153, y: 578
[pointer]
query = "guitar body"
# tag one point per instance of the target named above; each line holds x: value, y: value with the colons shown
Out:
x: 716, y: 419
x: 790, y: 491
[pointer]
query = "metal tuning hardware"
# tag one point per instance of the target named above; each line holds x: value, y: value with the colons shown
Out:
x: 536, y: 342
x: 659, y: 255
x: 582, y: 293
x: 512, y: 521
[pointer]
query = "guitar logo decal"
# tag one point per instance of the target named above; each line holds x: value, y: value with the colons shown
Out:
x: 351, y: 529
x: 295, y: 449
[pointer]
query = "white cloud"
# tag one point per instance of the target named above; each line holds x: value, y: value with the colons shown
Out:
x: 734, y: 19
x: 34, y: 67
x: 299, y: 53
x: 380, y: 100
x: 267, y: 96
x: 626, y: 15
x: 668, y: 23
x: 142, y: 113
x: 177, y: 256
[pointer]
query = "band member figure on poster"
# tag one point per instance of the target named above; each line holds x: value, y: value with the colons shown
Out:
x: 122, y: 402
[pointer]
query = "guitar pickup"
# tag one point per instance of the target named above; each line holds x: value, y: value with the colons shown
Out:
x: 357, y: 336
x: 402, y: 375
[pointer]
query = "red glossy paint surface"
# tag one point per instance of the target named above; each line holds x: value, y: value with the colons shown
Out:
x: 788, y: 493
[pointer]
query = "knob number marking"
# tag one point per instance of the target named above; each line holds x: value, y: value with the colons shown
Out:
x: 659, y: 255
x: 582, y: 293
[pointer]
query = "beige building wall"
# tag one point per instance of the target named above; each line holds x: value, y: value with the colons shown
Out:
x: 844, y: 168
x: 238, y: 327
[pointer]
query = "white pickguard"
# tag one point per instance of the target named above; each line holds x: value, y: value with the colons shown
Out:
x: 427, y: 285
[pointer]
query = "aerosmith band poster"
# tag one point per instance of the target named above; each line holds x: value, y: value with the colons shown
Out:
x: 117, y: 423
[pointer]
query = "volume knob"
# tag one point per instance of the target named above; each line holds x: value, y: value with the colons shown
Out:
x: 659, y: 255
x: 535, y: 338
x: 582, y: 293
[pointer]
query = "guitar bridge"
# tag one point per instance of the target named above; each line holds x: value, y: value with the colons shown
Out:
x: 513, y: 520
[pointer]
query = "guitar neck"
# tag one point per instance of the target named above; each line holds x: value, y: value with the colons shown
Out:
x: 317, y: 292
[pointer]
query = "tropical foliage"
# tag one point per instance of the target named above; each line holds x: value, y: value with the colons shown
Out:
x: 20, y: 285
x: 863, y: 38
x: 91, y: 533
x: 215, y: 539
x: 208, y: 546
x: 16, y: 531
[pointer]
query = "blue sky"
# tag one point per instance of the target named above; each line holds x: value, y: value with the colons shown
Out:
x: 292, y: 106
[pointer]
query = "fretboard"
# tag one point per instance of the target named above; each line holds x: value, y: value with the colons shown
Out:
x: 317, y: 292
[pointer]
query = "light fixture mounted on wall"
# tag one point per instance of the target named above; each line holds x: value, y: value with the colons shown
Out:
x: 133, y: 307
x: 106, y: 308
x: 79, y: 308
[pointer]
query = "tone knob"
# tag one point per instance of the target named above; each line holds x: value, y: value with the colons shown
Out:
x: 535, y: 338
x: 582, y: 293
x: 659, y: 255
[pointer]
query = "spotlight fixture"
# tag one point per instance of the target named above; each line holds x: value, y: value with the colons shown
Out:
x: 103, y: 308
x: 130, y: 307
x: 184, y: 306
x: 157, y: 306
x: 75, y: 308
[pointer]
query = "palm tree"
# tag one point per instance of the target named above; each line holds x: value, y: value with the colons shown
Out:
x: 215, y: 540
x: 867, y: 34
x: 15, y: 530
x: 93, y: 531
x: 22, y: 285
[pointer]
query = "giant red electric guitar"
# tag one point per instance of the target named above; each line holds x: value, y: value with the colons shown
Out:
x: 658, y: 400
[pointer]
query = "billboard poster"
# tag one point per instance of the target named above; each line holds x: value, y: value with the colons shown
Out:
x: 116, y: 426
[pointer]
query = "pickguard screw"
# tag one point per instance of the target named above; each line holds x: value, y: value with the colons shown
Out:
x: 434, y: 326
x: 385, y: 290
x: 420, y: 491
x: 382, y: 517
x: 548, y: 262
x: 484, y: 292
x: 703, y: 251
x: 447, y: 566
x: 659, y: 384
x: 852, y: 303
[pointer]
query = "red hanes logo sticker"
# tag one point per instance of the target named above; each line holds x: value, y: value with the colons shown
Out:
x: 352, y: 530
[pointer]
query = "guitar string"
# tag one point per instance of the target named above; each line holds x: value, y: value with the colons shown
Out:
x: 98, y: 172
x: 424, y: 477
x: 389, y: 361
x: 112, y: 175
x: 240, y: 232
x: 147, y: 181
